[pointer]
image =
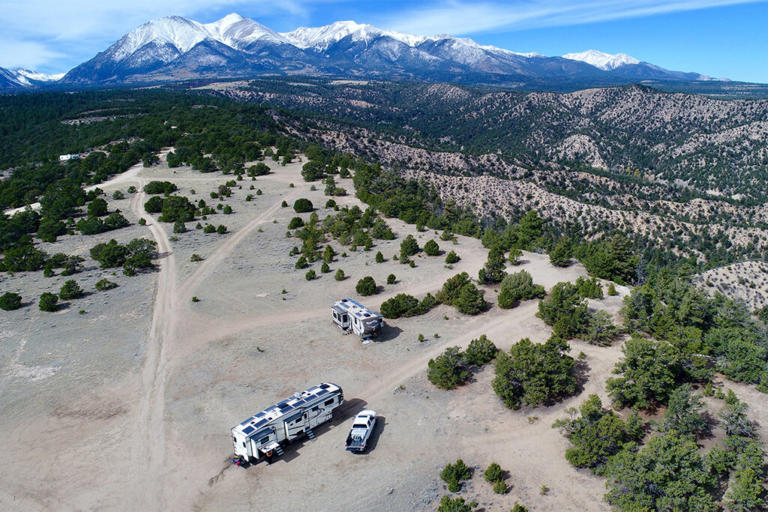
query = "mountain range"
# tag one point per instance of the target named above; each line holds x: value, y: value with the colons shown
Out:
x: 177, y: 48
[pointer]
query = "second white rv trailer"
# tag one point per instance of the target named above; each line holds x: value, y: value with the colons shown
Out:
x: 351, y: 316
x: 264, y: 434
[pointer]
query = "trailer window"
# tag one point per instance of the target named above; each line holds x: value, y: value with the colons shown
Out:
x: 328, y: 402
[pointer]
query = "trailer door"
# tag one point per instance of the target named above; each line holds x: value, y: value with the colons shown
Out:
x: 294, y: 425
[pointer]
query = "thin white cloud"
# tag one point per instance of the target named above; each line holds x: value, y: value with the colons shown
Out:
x: 26, y: 54
x: 60, y: 27
x: 74, y: 19
x: 462, y: 17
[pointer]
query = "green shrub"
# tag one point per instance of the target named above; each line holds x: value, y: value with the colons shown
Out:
x: 303, y: 205
x: 260, y: 169
x: 154, y: 205
x: 179, y: 227
x: 380, y: 258
x: 518, y: 287
x: 532, y: 374
x: 296, y: 222
x: 560, y: 255
x: 105, y: 284
x: 117, y: 195
x: 493, y: 271
x: 565, y: 311
x: 408, y: 247
x: 454, y: 474
x: 23, y: 258
x: 480, y: 351
x: 310, y: 275
x: 500, y: 487
x: 613, y: 259
x: 176, y: 208
x: 431, y: 248
x: 600, y: 329
x: 447, y: 370
x: 48, y: 302
x: 324, y: 268
x: 339, y: 275
x: 460, y: 292
x: 470, y: 300
x: 110, y: 254
x: 222, y: 229
x: 366, y: 286
x: 493, y: 473
x: 589, y: 288
x: 595, y: 436
x: 209, y: 228
x: 301, y: 262
x: 649, y: 371
x: 448, y: 504
x: 449, y: 293
x: 160, y: 187
x: 50, y: 229
x: 71, y: 290
x: 398, y: 305
x: 391, y: 279
x: 612, y: 290
x: 97, y: 208
x: 10, y: 301
x: 452, y: 258
x: 330, y: 203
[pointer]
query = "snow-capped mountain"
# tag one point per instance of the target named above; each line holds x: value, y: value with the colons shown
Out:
x: 320, y: 38
x: 604, y: 61
x: 20, y: 78
x: 177, y: 48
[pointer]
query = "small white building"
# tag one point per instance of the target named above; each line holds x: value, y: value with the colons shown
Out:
x: 67, y: 157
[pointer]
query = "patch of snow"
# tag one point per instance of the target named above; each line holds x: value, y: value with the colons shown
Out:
x: 602, y: 60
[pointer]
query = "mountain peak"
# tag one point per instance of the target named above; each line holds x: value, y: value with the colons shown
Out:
x: 239, y: 46
x: 322, y: 37
x: 602, y: 60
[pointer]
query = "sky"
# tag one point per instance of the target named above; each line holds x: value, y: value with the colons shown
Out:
x: 719, y: 38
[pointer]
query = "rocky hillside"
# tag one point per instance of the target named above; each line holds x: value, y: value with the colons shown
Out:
x: 685, y: 173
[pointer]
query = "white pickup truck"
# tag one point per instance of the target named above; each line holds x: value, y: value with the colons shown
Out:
x: 361, y: 431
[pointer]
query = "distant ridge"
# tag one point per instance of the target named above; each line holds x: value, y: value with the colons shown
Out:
x: 177, y: 48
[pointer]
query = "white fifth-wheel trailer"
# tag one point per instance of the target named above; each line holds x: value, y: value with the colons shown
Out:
x: 263, y: 435
x: 351, y: 316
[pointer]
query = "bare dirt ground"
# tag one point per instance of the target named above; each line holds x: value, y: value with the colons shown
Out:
x: 129, y: 406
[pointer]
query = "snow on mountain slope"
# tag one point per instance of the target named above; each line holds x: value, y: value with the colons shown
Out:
x: 181, y: 33
x: 37, y: 77
x: 238, y: 32
x: 601, y: 60
x: 173, y: 47
x: 322, y: 37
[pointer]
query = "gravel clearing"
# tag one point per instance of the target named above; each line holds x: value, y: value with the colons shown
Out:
x: 129, y: 405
